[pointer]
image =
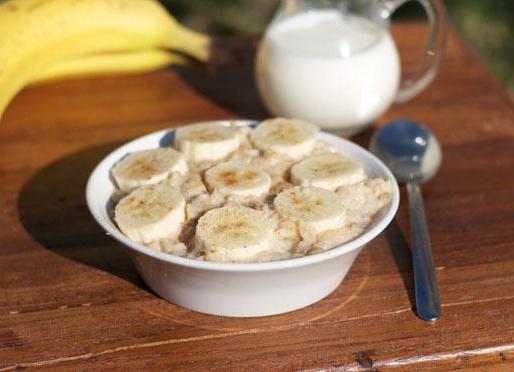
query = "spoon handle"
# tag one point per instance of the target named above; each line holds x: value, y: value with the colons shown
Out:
x: 427, y: 294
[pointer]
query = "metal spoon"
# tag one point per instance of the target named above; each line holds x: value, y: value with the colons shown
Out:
x: 413, y: 154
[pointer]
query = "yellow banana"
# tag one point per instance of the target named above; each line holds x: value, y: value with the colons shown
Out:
x: 37, y: 34
x: 112, y: 63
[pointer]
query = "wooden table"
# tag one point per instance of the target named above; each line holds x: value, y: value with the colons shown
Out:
x: 70, y: 298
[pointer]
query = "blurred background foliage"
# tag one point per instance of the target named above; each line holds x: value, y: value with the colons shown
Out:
x: 487, y: 24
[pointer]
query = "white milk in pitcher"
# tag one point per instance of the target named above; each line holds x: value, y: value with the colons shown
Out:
x: 338, y: 71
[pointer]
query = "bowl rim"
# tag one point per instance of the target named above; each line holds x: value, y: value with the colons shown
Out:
x: 358, y: 242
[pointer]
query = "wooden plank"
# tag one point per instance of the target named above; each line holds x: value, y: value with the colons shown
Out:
x: 328, y: 342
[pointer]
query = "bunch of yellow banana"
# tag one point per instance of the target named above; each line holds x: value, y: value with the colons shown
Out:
x: 47, y: 39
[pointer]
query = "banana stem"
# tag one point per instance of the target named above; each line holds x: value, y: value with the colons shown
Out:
x: 189, y: 42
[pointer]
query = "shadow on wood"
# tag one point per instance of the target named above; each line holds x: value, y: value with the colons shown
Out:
x: 398, y: 245
x: 363, y: 138
x: 53, y: 210
x: 402, y: 256
x: 229, y: 79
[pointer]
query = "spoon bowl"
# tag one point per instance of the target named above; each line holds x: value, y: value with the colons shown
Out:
x: 410, y: 150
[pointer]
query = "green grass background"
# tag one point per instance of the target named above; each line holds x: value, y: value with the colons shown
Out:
x: 487, y: 24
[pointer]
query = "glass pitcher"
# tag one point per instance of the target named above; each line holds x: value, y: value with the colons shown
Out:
x: 334, y: 63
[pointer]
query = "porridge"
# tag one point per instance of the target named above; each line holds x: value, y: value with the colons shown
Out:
x: 237, y: 194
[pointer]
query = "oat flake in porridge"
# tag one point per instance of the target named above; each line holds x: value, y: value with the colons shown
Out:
x: 254, y: 195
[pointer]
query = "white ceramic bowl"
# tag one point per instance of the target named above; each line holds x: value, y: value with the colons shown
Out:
x: 230, y: 289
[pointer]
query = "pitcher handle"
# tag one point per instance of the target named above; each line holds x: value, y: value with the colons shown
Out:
x: 414, y: 80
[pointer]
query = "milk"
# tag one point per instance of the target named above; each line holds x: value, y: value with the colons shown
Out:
x: 338, y: 71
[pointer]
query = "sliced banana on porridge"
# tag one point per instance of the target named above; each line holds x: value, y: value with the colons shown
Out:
x: 235, y: 178
x: 287, y: 137
x: 147, y: 167
x: 207, y: 141
x: 313, y: 207
x: 150, y: 213
x: 243, y: 194
x: 328, y: 171
x: 233, y: 234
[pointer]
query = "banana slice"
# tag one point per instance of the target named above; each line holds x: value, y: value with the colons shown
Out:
x: 327, y: 171
x: 206, y: 141
x: 235, y: 178
x: 317, y: 209
x: 233, y: 234
x: 148, y: 167
x: 289, y: 137
x: 151, y: 212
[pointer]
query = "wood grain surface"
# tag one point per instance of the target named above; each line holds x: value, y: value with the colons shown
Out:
x: 71, y: 299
